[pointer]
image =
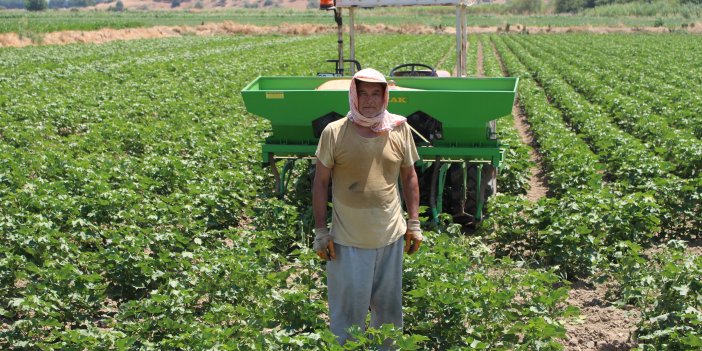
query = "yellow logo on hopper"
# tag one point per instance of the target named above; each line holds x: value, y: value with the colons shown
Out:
x: 398, y: 100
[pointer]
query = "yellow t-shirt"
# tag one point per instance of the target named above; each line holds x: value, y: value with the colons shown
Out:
x: 366, y: 207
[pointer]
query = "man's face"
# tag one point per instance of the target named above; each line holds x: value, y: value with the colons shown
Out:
x: 370, y: 98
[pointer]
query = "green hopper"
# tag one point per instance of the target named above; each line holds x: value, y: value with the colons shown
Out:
x: 453, y: 120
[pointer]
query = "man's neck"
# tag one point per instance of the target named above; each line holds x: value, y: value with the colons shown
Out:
x: 365, y: 132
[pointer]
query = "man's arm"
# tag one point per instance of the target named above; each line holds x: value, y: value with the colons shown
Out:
x: 410, y: 190
x: 320, y: 194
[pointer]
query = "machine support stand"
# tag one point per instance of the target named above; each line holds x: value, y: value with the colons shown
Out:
x: 438, y: 182
x: 287, y: 169
x: 442, y: 182
x: 478, y: 194
x: 432, y: 195
x: 276, y: 174
x: 281, y: 179
x: 464, y: 196
x: 461, y: 40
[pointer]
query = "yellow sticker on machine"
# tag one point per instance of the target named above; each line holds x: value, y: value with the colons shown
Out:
x: 398, y: 100
x: 275, y: 95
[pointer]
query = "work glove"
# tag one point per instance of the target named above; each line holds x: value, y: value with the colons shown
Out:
x: 323, y: 244
x: 413, y: 237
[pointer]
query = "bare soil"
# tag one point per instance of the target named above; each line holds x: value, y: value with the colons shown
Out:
x: 538, y: 185
x: 443, y: 58
x: 480, y: 69
x: 209, y: 29
x: 601, y: 326
x: 694, y: 246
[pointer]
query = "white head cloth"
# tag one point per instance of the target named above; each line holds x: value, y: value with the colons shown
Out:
x: 383, y: 121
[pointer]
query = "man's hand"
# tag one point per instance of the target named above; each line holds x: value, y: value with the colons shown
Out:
x: 413, y: 237
x: 323, y: 244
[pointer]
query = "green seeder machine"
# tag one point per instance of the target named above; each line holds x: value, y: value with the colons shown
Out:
x: 453, y: 120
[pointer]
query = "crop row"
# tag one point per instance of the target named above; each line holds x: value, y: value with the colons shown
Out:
x: 571, y: 164
x: 661, y: 74
x: 626, y: 157
x: 627, y: 160
x: 676, y: 56
x: 597, y: 230
x: 549, y: 129
x: 115, y: 178
x: 567, y: 230
x: 117, y: 174
x: 513, y: 178
x: 665, y: 286
x: 134, y: 213
x: 632, y: 114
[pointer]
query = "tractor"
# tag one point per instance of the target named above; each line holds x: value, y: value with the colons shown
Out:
x: 452, y: 117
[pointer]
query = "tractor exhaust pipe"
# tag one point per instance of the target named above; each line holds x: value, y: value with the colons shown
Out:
x: 340, y: 40
x: 329, y: 5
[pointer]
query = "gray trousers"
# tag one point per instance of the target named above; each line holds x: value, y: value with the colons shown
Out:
x: 359, y: 279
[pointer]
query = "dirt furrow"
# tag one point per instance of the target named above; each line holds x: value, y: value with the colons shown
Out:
x: 538, y: 185
x: 479, y: 69
x: 601, y: 325
x: 440, y: 64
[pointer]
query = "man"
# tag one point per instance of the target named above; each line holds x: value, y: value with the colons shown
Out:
x: 364, y: 154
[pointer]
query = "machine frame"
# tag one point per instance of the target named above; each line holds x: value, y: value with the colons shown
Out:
x: 457, y: 142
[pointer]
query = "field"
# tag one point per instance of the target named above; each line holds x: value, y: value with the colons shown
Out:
x: 51, y: 21
x: 135, y: 214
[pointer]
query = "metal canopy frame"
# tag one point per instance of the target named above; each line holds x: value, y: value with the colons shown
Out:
x: 461, y: 25
x: 440, y: 170
x: 440, y: 158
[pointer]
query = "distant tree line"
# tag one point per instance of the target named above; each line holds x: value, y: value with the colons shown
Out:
x: 12, y: 4
x: 60, y: 4
x: 573, y: 6
x: 35, y: 5
x: 40, y: 5
x: 524, y: 6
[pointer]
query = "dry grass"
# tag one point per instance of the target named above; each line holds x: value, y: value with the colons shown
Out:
x: 229, y: 28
